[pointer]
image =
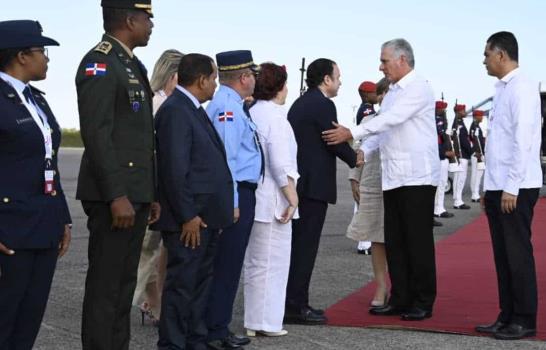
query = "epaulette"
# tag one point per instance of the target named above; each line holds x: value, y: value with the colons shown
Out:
x: 104, y: 47
x: 35, y: 89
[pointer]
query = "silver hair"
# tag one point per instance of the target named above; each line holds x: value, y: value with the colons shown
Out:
x: 401, y: 47
x: 165, y: 67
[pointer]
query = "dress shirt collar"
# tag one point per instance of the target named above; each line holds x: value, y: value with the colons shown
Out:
x: 190, y: 96
x: 406, y: 80
x: 17, y: 84
x: 231, y: 91
x: 128, y: 50
x: 506, y: 79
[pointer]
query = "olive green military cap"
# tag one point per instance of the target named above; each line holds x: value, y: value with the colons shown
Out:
x: 145, y: 5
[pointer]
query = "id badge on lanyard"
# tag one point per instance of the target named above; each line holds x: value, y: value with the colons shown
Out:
x: 49, y: 173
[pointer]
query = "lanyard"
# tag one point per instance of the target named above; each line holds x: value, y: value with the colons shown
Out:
x: 41, y: 121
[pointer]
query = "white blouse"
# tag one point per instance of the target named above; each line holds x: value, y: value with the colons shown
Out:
x: 280, y: 152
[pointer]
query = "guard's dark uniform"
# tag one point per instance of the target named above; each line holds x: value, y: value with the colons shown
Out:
x: 115, y: 106
x: 32, y: 222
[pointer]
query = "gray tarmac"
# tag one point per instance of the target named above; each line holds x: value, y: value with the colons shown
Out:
x: 339, y: 271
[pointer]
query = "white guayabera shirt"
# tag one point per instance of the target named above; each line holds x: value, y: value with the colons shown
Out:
x: 405, y: 133
x: 513, y: 137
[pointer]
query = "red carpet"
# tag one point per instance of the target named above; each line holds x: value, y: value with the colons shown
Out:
x: 467, y: 286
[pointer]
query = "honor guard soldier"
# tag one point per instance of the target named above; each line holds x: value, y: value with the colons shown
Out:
x: 477, y: 162
x: 367, y: 93
x: 116, y: 183
x: 460, y: 137
x: 34, y: 215
x: 445, y: 151
x: 231, y: 118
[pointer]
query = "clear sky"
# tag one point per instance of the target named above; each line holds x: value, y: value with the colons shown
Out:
x: 448, y: 38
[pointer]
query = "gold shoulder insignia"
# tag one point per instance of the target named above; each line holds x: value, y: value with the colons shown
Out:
x: 104, y: 47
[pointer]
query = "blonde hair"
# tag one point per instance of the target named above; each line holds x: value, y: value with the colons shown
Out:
x: 165, y: 67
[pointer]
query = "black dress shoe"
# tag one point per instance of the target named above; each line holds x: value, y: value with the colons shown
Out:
x: 514, y: 331
x: 232, y: 341
x: 387, y: 310
x: 462, y: 206
x: 317, y: 311
x: 490, y: 328
x: 221, y: 345
x: 238, y: 339
x: 305, y: 316
x: 475, y: 201
x: 436, y: 223
x: 444, y: 215
x: 416, y: 314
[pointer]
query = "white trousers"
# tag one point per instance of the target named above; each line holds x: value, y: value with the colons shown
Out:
x: 475, y: 178
x: 439, y: 207
x: 458, y: 183
x: 267, y: 262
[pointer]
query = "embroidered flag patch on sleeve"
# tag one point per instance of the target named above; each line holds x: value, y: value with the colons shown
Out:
x: 95, y: 69
x: 225, y: 117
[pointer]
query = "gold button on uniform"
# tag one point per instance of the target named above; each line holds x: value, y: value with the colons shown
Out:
x: 131, y: 164
x: 6, y: 200
x: 54, y: 193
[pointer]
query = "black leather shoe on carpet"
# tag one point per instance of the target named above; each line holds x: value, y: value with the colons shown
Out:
x: 416, y: 314
x: 514, y: 331
x: 490, y: 328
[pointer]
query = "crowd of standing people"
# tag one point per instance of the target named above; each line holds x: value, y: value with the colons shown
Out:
x: 182, y: 199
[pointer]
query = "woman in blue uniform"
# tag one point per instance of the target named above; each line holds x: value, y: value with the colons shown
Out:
x: 34, y: 216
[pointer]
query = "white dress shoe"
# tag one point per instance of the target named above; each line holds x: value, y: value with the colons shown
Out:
x: 253, y: 333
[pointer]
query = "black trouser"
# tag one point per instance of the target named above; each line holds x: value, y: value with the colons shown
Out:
x: 409, y: 243
x: 228, y: 264
x: 514, y: 261
x: 306, y: 232
x: 25, y: 281
x: 185, y: 295
x: 111, y: 277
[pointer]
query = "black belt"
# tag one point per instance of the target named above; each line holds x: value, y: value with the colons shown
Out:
x: 246, y: 184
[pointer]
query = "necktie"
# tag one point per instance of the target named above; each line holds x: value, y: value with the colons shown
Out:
x: 28, y: 95
x: 262, y: 168
x: 30, y: 99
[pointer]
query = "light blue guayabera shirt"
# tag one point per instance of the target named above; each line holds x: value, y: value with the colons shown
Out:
x: 237, y: 131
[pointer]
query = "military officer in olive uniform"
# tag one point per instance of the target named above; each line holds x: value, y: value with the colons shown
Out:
x: 116, y: 183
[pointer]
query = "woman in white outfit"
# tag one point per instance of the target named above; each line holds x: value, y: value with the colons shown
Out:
x: 367, y: 223
x: 267, y: 259
x: 153, y: 256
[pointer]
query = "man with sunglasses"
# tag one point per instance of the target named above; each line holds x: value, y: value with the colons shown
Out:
x: 231, y: 118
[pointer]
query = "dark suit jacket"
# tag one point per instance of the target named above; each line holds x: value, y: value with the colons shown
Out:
x: 117, y: 127
x: 194, y: 178
x: 29, y: 218
x: 309, y: 116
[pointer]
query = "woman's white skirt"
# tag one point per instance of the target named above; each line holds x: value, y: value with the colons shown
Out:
x: 267, y: 262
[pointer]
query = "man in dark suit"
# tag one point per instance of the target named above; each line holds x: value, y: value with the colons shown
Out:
x: 196, y: 194
x: 116, y: 183
x: 34, y: 215
x: 311, y: 114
